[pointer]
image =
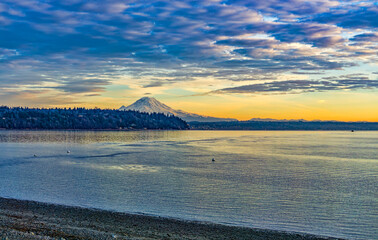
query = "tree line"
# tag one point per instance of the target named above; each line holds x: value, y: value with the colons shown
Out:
x: 82, y: 118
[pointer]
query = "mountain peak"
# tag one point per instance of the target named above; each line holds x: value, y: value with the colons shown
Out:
x: 151, y: 105
x: 147, y: 99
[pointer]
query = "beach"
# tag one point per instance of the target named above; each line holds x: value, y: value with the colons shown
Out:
x: 20, y: 219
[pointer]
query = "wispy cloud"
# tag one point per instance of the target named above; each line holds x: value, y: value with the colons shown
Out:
x: 344, y: 82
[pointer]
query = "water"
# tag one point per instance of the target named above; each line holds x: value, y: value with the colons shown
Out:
x: 323, y: 183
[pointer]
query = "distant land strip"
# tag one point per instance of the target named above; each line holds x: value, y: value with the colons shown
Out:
x: 285, y: 125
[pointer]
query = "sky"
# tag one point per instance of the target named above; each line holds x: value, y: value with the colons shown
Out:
x: 243, y: 59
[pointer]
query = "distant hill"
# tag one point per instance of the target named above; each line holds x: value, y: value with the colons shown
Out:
x: 285, y: 125
x: 151, y: 105
x: 276, y: 120
x: 81, y: 118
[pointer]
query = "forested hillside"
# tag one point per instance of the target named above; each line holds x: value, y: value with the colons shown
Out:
x: 81, y: 118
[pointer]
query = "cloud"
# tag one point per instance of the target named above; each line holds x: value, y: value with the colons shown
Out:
x: 83, y: 86
x: 80, y: 47
x: 288, y: 8
x: 319, y: 35
x: 344, y: 82
x: 365, y: 37
x: 36, y: 98
x: 353, y: 15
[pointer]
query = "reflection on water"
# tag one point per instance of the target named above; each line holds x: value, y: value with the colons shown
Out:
x: 86, y: 137
x: 317, y: 182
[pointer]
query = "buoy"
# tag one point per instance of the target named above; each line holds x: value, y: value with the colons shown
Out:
x: 68, y: 151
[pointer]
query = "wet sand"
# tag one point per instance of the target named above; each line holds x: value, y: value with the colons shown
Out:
x: 34, y: 220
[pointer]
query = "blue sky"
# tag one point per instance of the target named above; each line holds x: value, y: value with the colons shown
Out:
x: 191, y: 54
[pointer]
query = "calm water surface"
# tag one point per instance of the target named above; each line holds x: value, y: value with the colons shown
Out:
x: 315, y: 182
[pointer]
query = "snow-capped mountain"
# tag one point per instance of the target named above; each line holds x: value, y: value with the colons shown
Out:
x: 149, y: 104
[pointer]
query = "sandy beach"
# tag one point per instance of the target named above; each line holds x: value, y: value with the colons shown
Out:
x: 34, y: 220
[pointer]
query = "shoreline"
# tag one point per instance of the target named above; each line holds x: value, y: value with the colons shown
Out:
x: 23, y: 219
